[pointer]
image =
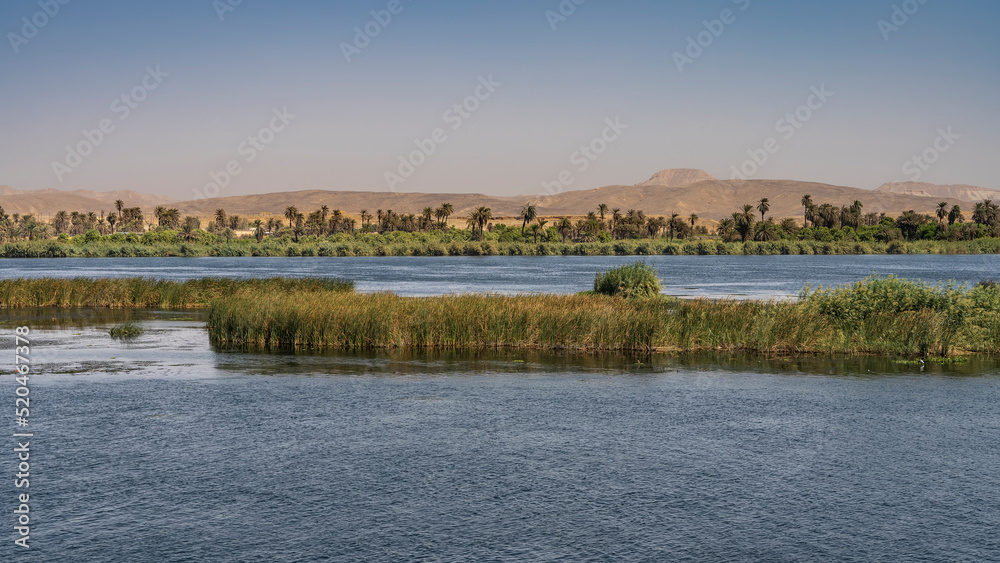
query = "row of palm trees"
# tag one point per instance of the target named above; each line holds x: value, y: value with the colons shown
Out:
x: 28, y: 227
x: 631, y: 224
x: 602, y: 222
x: 743, y: 225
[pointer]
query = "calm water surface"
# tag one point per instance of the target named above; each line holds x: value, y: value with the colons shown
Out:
x: 164, y: 449
x: 709, y: 276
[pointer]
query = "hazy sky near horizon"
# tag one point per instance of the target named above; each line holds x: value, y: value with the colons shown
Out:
x: 555, y: 82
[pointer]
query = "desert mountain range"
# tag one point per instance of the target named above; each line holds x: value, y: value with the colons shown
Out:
x: 681, y: 191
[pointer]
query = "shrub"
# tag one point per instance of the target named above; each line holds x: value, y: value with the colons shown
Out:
x: 632, y: 280
x: 125, y: 330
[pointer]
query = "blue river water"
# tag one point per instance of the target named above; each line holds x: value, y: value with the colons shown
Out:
x: 164, y: 448
x: 685, y: 276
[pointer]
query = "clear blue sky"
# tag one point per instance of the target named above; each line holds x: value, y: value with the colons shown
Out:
x: 609, y: 59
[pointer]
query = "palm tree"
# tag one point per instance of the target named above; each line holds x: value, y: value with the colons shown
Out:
x: 61, y: 222
x: 426, y: 218
x: 535, y: 230
x: 119, y: 205
x: 258, y: 230
x: 827, y: 214
x: 472, y: 222
x: 909, y: 222
x: 671, y: 226
x: 807, y: 203
x: 955, y: 215
x: 483, y: 216
x: 765, y: 231
x: 528, y: 215
x: 726, y: 229
x: 693, y: 218
x: 564, y: 227
x: 291, y: 213
x: 764, y: 206
x: 220, y: 218
x: 744, y: 222
x: 789, y: 226
x: 942, y: 212
x: 602, y: 209
x: 187, y: 230
x: 447, y: 211
x: 656, y: 224
x: 112, y: 219
x: 365, y: 218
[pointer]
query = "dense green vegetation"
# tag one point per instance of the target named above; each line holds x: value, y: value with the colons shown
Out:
x: 876, y: 316
x: 462, y: 243
x: 824, y: 229
x: 879, y: 316
x: 126, y: 330
x: 630, y: 281
x: 144, y: 293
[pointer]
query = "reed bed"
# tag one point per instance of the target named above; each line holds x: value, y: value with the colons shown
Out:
x: 145, y: 293
x: 322, y: 320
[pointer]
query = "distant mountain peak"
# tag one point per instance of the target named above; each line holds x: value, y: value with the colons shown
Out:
x: 676, y: 177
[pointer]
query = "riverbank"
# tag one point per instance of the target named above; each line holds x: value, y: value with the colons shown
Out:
x: 423, y: 244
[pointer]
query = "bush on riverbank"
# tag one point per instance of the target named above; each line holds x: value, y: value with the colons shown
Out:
x: 145, y: 293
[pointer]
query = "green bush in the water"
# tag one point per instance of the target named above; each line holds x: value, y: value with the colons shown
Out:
x: 631, y: 280
x: 125, y: 330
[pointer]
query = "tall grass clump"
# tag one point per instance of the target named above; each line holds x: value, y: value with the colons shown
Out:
x: 911, y: 317
x: 125, y: 330
x: 145, y: 293
x: 636, y: 280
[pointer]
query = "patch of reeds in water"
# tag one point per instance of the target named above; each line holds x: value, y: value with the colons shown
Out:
x: 125, y: 330
x: 968, y: 321
x: 145, y: 293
